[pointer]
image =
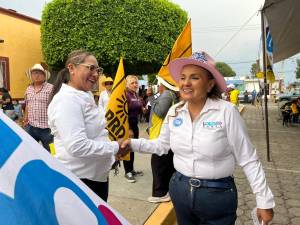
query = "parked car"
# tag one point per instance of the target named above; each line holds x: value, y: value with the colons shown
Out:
x: 242, y: 98
x: 289, y: 96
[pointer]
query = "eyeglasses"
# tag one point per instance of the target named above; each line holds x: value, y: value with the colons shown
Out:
x: 92, y: 68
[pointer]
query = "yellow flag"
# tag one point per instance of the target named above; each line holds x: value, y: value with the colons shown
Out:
x: 270, y: 76
x: 117, y: 109
x: 181, y: 48
x: 270, y: 73
x: 260, y: 75
x: 52, y: 149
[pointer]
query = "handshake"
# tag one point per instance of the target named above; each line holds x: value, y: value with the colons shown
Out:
x: 124, y: 148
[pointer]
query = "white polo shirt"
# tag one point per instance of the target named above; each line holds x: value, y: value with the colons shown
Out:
x: 80, y: 139
x: 210, y: 146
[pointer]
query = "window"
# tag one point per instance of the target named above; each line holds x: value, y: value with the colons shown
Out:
x: 4, y: 72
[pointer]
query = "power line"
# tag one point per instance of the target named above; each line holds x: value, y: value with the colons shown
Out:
x: 236, y: 33
x: 216, y: 27
x: 242, y: 62
x: 197, y: 30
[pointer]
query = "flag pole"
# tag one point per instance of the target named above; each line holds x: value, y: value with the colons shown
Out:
x: 263, y: 30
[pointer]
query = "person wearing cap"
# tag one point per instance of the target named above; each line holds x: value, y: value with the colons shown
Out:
x: 162, y: 166
x: 233, y: 94
x: 208, y: 138
x: 36, y: 103
x: 104, y: 96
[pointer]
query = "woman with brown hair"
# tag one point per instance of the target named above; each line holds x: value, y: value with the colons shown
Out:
x: 80, y: 138
x: 208, y: 138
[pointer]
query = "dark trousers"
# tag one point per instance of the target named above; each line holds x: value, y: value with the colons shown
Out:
x: 100, y: 188
x: 41, y: 134
x: 128, y: 165
x: 162, y: 171
x: 295, y: 117
x: 203, y: 205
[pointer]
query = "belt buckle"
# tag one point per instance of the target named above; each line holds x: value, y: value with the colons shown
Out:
x: 195, y: 182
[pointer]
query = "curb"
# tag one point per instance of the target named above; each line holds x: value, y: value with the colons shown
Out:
x: 164, y: 214
x: 241, y: 108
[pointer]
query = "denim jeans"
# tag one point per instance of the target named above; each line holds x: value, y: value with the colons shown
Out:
x: 202, y: 205
x: 40, y: 134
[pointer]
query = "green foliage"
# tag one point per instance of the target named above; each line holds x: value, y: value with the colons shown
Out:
x: 225, y: 69
x: 142, y: 31
x: 253, y: 69
x: 151, y: 78
x: 298, y: 69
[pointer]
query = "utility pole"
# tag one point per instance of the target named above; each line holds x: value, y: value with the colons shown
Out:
x: 263, y: 30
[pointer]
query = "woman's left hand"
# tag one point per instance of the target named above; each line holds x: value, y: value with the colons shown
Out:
x: 265, y: 215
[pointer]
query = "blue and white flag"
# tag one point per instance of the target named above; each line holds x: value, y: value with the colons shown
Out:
x: 269, y: 42
x: 36, y: 189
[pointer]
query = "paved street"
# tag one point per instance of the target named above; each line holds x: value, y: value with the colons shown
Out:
x: 283, y: 175
x: 283, y: 172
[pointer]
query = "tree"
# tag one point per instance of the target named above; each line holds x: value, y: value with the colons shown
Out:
x: 298, y: 69
x: 143, y: 32
x: 225, y: 69
x: 253, y: 69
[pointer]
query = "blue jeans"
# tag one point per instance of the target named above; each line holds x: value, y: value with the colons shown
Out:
x: 203, y: 205
x: 40, y: 134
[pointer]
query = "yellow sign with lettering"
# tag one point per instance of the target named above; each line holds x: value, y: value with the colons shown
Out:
x: 117, y: 109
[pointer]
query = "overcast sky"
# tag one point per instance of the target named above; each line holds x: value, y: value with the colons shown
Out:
x: 214, y: 22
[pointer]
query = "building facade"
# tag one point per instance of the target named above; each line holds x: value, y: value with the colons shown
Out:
x: 20, y: 48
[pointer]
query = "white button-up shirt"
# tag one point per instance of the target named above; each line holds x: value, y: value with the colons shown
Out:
x: 80, y: 139
x: 210, y: 146
x: 103, y: 100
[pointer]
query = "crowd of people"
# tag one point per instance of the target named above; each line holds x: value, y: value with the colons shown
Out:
x: 195, y: 137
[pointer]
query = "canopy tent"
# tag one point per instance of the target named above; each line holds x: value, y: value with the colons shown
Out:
x: 284, y: 19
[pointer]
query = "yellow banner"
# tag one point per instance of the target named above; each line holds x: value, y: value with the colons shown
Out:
x: 117, y: 109
x: 181, y: 48
x: 270, y: 74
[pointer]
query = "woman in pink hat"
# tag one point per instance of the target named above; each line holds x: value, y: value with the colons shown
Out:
x: 208, y: 138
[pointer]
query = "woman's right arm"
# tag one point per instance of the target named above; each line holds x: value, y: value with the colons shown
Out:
x: 158, y: 146
x: 67, y: 119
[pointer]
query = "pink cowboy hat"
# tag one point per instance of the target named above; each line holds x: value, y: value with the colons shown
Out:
x: 201, y: 59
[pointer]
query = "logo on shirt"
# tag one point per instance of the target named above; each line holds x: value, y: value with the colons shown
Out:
x: 213, y: 124
x: 177, y: 122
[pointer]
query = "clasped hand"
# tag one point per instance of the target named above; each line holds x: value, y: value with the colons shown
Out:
x: 124, y: 148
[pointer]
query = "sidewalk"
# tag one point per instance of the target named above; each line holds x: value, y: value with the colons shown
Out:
x: 283, y: 174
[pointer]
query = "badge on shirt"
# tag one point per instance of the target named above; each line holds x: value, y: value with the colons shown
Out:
x: 212, y: 124
x: 177, y: 122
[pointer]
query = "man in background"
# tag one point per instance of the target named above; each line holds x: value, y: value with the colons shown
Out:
x: 36, y: 103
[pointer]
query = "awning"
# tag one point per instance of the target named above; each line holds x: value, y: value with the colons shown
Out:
x: 284, y: 20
